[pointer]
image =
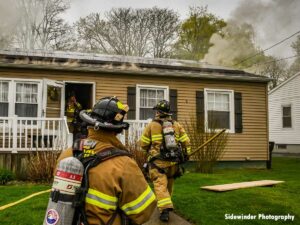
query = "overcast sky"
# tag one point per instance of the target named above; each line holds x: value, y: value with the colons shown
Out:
x: 222, y: 8
x: 273, y: 20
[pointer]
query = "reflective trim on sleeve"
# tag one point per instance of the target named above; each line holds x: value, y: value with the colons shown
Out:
x: 139, y: 204
x: 157, y: 137
x: 101, y: 200
x: 188, y: 150
x: 183, y: 138
x: 164, y: 201
x: 145, y: 139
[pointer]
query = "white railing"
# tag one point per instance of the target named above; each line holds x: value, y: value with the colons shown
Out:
x: 28, y: 134
x: 134, y: 132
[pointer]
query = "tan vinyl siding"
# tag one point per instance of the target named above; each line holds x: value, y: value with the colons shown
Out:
x: 251, y: 144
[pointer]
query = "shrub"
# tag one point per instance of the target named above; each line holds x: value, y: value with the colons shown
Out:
x: 134, y: 148
x: 41, y: 165
x: 6, y: 176
x: 208, y: 156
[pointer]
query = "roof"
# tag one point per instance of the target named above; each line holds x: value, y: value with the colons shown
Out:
x: 75, y: 61
x: 284, y: 83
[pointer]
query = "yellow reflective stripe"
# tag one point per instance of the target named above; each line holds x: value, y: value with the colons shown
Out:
x: 188, y: 150
x: 163, y: 202
x: 101, y: 200
x: 139, y: 204
x: 145, y: 139
x: 183, y: 138
x: 156, y: 136
x: 156, y: 139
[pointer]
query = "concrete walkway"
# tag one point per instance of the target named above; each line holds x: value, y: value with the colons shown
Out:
x: 174, y: 220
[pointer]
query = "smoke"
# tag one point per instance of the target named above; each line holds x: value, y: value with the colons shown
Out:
x: 272, y: 21
x: 8, y: 21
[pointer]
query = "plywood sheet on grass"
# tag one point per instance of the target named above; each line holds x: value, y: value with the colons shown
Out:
x: 234, y: 186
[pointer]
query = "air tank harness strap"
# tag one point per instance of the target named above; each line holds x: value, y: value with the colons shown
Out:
x: 90, y: 162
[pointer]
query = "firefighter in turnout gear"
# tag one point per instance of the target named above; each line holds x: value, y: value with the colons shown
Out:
x: 72, y: 109
x: 166, y: 144
x: 117, y: 191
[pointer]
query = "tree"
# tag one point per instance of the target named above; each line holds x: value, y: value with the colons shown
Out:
x: 273, y: 68
x: 40, y: 23
x: 295, y: 67
x: 195, y: 33
x: 163, y: 29
x: 126, y: 31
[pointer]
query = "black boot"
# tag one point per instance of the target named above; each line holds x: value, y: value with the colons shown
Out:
x: 164, y: 216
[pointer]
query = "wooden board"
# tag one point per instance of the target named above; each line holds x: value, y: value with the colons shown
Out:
x: 234, y: 186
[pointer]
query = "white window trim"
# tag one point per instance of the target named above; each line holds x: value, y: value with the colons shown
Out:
x: 142, y: 86
x: 281, y: 116
x: 12, y: 94
x: 231, y: 105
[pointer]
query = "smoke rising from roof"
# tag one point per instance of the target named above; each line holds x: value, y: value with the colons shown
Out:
x: 272, y: 22
x: 8, y: 20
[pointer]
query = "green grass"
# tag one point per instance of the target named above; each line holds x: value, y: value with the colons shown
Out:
x: 205, y: 207
x: 196, y: 205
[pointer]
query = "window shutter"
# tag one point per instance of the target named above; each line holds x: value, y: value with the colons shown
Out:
x: 200, y: 108
x: 131, y: 101
x: 238, y: 112
x: 173, y: 103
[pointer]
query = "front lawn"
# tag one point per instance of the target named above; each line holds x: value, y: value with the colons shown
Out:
x: 205, y: 207
x: 199, y: 206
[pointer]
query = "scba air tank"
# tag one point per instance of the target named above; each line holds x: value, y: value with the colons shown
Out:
x: 67, y: 178
x: 169, y: 135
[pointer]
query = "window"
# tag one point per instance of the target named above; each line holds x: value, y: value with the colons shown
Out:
x: 4, y: 98
x: 26, y: 100
x: 219, y: 109
x: 21, y: 98
x: 286, y: 116
x: 148, y: 97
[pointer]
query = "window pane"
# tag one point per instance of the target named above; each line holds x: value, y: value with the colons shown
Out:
x: 151, y: 93
x: 211, y: 106
x: 143, y: 93
x: 286, y: 111
x: 211, y: 97
x: 3, y: 91
x: 146, y: 113
x: 218, y: 120
x: 287, y: 122
x: 3, y: 109
x: 26, y: 110
x: 26, y: 93
x: 160, y: 94
x: 152, y: 103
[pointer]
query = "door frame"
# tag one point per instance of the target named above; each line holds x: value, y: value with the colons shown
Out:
x: 80, y: 82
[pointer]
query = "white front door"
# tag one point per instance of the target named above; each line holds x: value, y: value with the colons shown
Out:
x: 53, y: 98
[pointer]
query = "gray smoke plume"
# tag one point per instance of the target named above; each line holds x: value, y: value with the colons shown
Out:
x: 272, y: 22
x: 8, y: 21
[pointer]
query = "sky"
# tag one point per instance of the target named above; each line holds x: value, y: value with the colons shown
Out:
x: 273, y: 20
x: 80, y: 8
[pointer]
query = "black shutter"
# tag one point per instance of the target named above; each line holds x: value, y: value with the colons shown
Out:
x: 173, y: 103
x: 238, y: 112
x: 131, y: 101
x: 200, y: 108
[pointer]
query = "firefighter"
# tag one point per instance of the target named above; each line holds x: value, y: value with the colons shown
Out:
x: 164, y: 168
x: 117, y: 188
x: 72, y: 108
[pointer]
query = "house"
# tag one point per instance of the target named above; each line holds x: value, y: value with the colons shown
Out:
x: 34, y: 87
x: 284, y: 116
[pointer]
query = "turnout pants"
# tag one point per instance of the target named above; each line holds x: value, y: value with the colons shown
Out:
x: 163, y: 180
